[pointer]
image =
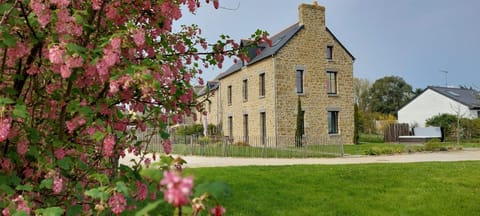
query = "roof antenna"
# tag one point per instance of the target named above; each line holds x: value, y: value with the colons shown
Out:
x: 446, y: 80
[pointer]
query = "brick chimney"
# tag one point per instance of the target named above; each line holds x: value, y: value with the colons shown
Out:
x: 311, y: 16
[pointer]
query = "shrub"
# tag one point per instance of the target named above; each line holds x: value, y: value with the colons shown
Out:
x: 445, y: 121
x: 433, y: 145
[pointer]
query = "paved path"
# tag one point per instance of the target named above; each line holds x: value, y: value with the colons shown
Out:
x: 196, y: 161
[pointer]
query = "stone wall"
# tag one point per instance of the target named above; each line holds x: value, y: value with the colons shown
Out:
x: 307, y: 50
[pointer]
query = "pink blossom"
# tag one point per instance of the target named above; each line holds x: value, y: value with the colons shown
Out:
x: 59, y: 153
x: 142, y: 190
x: 178, y: 189
x: 22, y: 147
x: 65, y: 71
x: 108, y: 144
x: 114, y: 87
x: 167, y: 146
x: 55, y: 54
x: 57, y: 184
x: 180, y: 47
x: 139, y: 37
x: 218, y: 210
x: 117, y: 203
x: 6, y: 164
x: 60, y: 3
x: 115, y: 42
x: 192, y: 4
x: 5, y: 125
x: 74, y: 62
x: 22, y: 205
x: 96, y: 4
x: 6, y: 212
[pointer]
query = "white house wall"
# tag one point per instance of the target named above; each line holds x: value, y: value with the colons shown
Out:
x: 429, y: 104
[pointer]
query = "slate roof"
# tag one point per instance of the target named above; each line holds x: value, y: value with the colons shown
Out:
x: 279, y: 40
x: 467, y: 97
x: 210, y: 87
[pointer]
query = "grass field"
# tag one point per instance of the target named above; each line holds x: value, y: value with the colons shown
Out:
x: 373, y: 189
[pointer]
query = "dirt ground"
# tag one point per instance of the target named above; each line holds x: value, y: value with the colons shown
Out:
x: 197, y: 161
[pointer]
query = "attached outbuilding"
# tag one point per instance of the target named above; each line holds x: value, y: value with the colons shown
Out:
x: 440, y: 100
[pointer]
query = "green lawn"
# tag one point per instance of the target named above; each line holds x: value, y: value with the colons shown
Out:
x: 373, y: 189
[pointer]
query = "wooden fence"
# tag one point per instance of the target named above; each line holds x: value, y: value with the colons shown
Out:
x: 393, y: 131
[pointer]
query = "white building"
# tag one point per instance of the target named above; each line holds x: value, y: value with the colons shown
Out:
x: 439, y: 100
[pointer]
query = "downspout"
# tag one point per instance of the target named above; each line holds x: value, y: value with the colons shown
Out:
x: 275, y: 96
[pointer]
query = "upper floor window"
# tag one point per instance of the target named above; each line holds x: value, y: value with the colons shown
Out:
x: 332, y: 82
x: 245, y: 90
x: 229, y: 95
x: 332, y: 122
x: 330, y: 52
x: 262, y: 84
x: 299, y: 81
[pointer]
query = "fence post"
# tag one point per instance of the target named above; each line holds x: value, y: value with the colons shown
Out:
x: 341, y: 148
x: 191, y: 145
x: 264, y: 147
x: 304, y: 145
x: 224, y: 146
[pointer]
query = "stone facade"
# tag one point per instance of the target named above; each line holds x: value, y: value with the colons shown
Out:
x: 306, y: 50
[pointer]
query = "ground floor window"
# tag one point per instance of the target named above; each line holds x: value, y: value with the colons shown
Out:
x: 230, y: 126
x: 332, y: 122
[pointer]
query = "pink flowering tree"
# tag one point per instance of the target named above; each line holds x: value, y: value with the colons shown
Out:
x: 77, y: 79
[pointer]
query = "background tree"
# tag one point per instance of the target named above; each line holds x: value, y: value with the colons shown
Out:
x: 389, y: 94
x: 361, y: 91
x: 77, y: 79
x: 356, y: 130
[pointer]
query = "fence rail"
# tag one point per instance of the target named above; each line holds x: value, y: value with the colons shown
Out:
x: 252, y: 146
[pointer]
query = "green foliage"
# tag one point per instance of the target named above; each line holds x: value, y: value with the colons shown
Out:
x: 389, y: 94
x: 194, y: 129
x: 356, y: 129
x: 445, y: 121
x: 433, y: 145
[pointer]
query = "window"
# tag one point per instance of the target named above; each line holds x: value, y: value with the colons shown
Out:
x: 262, y: 84
x: 245, y: 127
x: 245, y: 90
x: 332, y: 83
x: 332, y: 122
x: 230, y: 126
x: 299, y: 81
x: 329, y: 52
x: 209, y: 106
x: 229, y: 95
x: 263, y: 127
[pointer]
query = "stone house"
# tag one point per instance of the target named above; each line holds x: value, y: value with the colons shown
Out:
x: 306, y: 61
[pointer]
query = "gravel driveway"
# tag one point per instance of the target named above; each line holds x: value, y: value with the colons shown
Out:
x: 197, y: 161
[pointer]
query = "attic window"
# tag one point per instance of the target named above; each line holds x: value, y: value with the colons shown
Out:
x: 330, y: 52
x: 453, y: 93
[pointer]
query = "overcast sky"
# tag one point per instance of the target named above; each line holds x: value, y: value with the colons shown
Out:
x: 413, y: 39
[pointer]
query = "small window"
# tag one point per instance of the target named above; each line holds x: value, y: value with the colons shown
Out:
x: 209, y: 106
x: 332, y: 83
x: 229, y: 95
x: 332, y: 122
x: 262, y: 85
x: 299, y: 81
x: 245, y: 90
x: 230, y: 127
x: 329, y: 52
